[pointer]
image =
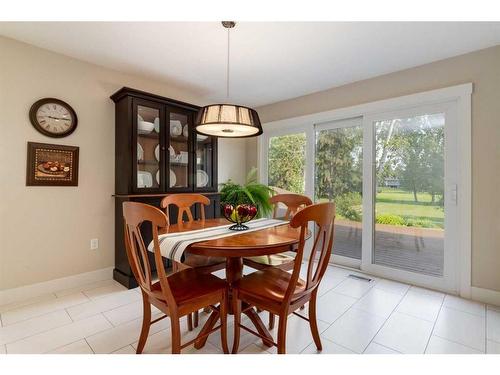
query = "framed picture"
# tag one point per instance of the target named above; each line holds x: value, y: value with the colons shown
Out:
x: 51, y: 165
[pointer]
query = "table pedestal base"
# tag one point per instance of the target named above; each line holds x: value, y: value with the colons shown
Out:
x: 234, y: 272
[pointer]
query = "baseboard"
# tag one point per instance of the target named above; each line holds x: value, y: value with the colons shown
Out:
x: 51, y: 286
x: 489, y: 296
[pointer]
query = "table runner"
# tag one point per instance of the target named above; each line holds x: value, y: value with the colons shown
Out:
x: 173, y: 245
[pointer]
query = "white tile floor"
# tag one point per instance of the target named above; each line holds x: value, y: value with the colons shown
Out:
x: 354, y: 316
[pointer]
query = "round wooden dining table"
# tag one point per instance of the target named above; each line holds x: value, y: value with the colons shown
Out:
x: 265, y: 241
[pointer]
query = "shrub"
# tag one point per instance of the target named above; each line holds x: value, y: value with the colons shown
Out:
x: 349, y: 206
x: 423, y: 223
x: 390, y: 219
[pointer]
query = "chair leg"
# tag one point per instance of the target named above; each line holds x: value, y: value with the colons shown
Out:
x: 223, y: 322
x: 282, y: 333
x: 237, y: 320
x: 146, y: 323
x: 313, y: 324
x: 271, y: 320
x: 196, y: 319
x: 189, y: 318
x: 176, y: 334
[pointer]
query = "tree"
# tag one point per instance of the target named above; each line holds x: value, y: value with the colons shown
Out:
x: 286, y: 162
x: 414, y: 153
x: 339, y: 162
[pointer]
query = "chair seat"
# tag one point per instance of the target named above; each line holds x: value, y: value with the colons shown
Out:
x: 189, y: 284
x: 194, y: 260
x: 270, y: 283
x: 274, y: 260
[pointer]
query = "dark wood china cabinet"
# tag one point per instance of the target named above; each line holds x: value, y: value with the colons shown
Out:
x: 157, y: 152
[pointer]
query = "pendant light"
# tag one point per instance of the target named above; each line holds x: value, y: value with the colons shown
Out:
x: 228, y: 120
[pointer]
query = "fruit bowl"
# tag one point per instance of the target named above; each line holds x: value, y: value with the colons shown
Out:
x: 240, y: 214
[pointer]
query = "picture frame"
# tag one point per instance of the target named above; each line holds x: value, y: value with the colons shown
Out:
x: 51, y: 165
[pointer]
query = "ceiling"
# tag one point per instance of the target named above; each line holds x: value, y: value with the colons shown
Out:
x: 270, y: 62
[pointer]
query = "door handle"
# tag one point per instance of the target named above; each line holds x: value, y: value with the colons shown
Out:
x: 454, y: 194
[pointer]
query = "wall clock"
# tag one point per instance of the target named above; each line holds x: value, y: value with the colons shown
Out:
x: 53, y: 117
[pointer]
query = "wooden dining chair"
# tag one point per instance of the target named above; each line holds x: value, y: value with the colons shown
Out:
x: 293, y: 203
x: 176, y: 295
x: 282, y: 293
x: 184, y: 202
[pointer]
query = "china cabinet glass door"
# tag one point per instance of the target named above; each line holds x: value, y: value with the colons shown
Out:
x: 149, y: 148
x: 179, y: 150
x: 205, y: 162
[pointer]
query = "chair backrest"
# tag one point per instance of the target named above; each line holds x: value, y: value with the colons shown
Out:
x: 184, y: 203
x: 134, y: 215
x: 323, y: 216
x: 293, y: 203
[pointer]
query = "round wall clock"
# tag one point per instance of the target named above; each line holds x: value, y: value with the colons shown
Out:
x: 53, y: 117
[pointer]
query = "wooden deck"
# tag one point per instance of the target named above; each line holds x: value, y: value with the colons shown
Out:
x: 409, y: 248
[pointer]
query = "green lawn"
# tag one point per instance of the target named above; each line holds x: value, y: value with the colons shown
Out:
x: 401, y: 203
x: 398, y: 202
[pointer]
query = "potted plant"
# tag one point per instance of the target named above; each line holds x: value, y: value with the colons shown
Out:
x: 241, y: 203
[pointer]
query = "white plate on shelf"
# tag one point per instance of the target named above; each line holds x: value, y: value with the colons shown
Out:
x: 157, y: 124
x: 201, y: 178
x: 144, y: 179
x: 173, y: 178
x: 175, y: 127
x: 171, y: 150
x: 185, y: 131
x: 140, y: 152
x: 157, y: 152
x: 144, y: 127
x: 158, y: 177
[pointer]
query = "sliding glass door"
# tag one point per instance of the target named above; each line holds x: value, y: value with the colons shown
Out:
x: 411, y: 198
x: 393, y: 177
x: 338, y: 177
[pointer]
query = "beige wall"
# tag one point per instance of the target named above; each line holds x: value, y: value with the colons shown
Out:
x: 483, y: 69
x: 45, y: 231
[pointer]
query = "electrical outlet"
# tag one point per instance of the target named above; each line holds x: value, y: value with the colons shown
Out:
x: 94, y: 244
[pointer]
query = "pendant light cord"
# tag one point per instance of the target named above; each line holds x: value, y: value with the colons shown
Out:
x: 227, y: 72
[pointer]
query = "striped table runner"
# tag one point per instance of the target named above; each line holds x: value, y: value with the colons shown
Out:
x: 173, y: 245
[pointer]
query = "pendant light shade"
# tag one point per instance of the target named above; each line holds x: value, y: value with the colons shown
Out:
x: 228, y: 120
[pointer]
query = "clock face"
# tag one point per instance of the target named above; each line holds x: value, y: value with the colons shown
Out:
x: 53, y: 117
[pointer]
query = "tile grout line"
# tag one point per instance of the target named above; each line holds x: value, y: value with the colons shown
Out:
x: 106, y: 318
x: 64, y: 325
x: 450, y: 340
x: 49, y: 312
x: 382, y: 326
x: 456, y: 342
x: 341, y: 315
x: 91, y: 348
x: 62, y: 346
x: 66, y: 310
x: 394, y: 350
x: 113, y: 352
x: 327, y: 339
x: 435, y: 322
x: 41, y: 332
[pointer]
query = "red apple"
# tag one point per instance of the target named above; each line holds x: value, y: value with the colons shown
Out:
x: 228, y: 210
x: 252, y: 211
x: 242, y: 210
